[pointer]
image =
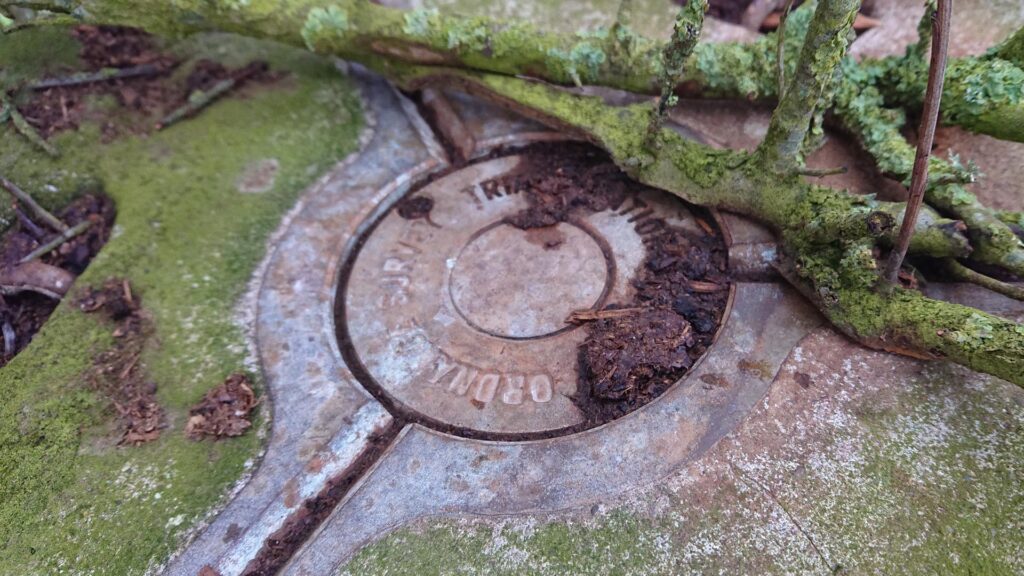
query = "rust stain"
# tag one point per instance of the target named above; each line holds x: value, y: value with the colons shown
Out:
x: 315, y: 465
x: 804, y: 380
x: 715, y: 379
x: 291, y: 494
x: 758, y: 368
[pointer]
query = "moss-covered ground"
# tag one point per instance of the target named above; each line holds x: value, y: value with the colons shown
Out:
x: 71, y: 500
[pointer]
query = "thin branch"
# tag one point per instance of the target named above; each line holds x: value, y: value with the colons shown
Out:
x: 780, y: 48
x: 961, y: 272
x: 200, y: 99
x: 824, y: 49
x: 10, y: 338
x: 26, y: 129
x: 56, y: 242
x: 27, y: 223
x: 929, y: 118
x: 101, y: 76
x: 581, y: 316
x: 685, y: 35
x: 43, y: 214
x: 624, y: 15
x: 822, y: 172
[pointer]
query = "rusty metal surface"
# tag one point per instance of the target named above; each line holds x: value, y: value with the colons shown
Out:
x: 320, y: 416
x: 427, y: 473
x: 475, y: 313
x: 462, y: 317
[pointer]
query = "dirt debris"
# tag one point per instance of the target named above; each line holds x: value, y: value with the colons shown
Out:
x: 224, y: 411
x: 105, y: 48
x: 119, y: 373
x: 148, y: 88
x: 415, y: 207
x: 32, y: 290
x: 280, y: 546
x: 634, y: 350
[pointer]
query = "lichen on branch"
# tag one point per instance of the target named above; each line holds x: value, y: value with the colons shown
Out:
x: 825, y: 44
x: 831, y: 239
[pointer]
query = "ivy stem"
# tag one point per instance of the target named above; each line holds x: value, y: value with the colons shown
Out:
x: 929, y: 118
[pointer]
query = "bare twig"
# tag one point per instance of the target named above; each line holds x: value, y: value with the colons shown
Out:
x: 27, y: 223
x: 10, y: 338
x: 446, y: 121
x: 580, y: 316
x: 705, y: 287
x: 929, y: 117
x: 23, y: 197
x: 56, y: 242
x: 26, y: 129
x: 101, y: 76
x: 202, y: 98
x: 961, y: 272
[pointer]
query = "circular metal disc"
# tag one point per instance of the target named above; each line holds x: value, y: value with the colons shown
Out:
x: 461, y: 317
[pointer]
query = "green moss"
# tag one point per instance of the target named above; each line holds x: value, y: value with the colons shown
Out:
x: 34, y: 53
x: 1012, y: 48
x: 420, y: 23
x: 189, y: 242
x: 981, y: 94
x: 331, y: 21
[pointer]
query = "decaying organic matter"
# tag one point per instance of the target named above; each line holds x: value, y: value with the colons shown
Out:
x: 830, y: 240
x: 119, y: 373
x: 634, y: 350
x: 224, y: 411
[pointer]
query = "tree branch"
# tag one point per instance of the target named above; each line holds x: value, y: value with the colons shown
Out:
x: 824, y: 49
x: 929, y: 118
x: 829, y: 236
x: 685, y: 34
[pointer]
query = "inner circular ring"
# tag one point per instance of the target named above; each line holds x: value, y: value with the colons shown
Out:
x: 522, y: 284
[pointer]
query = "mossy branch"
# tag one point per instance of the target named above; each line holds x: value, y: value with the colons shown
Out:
x: 685, y: 34
x: 829, y: 236
x: 906, y: 322
x: 825, y: 43
x: 862, y: 113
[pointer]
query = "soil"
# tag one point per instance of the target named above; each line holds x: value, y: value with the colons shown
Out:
x: 25, y: 312
x: 119, y: 373
x: 632, y: 356
x: 224, y: 411
x: 54, y: 110
x: 415, y: 207
x: 282, y: 544
x: 154, y: 94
